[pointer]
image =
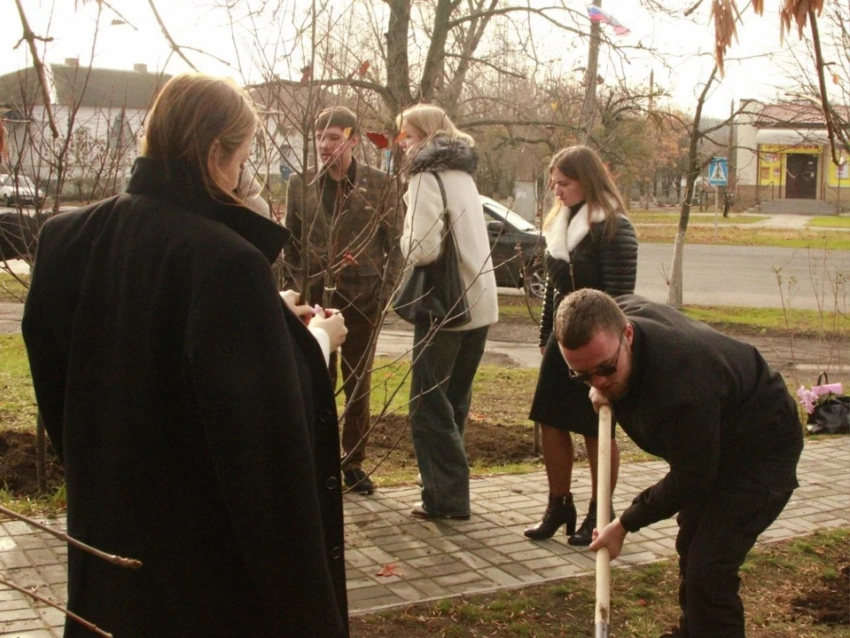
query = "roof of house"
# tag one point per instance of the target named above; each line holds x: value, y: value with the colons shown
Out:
x: 76, y: 84
x: 803, y: 114
x: 289, y: 100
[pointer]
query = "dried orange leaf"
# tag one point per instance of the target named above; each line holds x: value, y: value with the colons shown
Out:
x: 391, y: 569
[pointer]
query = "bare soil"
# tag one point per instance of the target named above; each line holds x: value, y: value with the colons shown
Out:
x: 18, y: 474
x: 486, y: 443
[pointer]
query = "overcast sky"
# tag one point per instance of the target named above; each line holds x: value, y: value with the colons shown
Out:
x: 750, y: 73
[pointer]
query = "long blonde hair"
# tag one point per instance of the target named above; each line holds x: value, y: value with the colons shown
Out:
x: 431, y: 122
x: 191, y: 113
x: 584, y: 165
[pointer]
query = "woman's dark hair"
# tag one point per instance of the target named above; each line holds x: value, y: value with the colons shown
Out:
x: 584, y: 165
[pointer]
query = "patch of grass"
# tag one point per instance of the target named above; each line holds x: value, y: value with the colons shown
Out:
x: 13, y: 287
x: 495, y: 391
x: 17, y: 400
x: 787, y: 596
x: 727, y: 236
x: 734, y: 318
x: 671, y: 216
x: 829, y: 222
x: 50, y: 504
x: 519, y: 308
x: 770, y: 319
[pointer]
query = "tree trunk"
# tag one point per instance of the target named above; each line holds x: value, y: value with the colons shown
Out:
x: 674, y: 297
x: 398, y: 65
x: 436, y: 58
x: 588, y: 108
x: 473, y: 35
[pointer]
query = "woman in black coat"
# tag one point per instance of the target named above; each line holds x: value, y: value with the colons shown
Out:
x: 590, y: 243
x: 192, y: 410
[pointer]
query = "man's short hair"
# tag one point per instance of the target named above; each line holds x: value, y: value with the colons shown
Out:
x: 583, y: 313
x: 337, y: 116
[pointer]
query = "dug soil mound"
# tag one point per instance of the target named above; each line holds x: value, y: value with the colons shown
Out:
x: 18, y: 474
x: 827, y: 603
x: 489, y: 444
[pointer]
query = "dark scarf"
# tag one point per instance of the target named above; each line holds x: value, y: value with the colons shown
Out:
x: 445, y: 154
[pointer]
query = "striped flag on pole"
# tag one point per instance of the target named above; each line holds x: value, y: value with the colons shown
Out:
x: 598, y: 15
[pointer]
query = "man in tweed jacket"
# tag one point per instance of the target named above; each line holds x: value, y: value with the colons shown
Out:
x: 346, y: 221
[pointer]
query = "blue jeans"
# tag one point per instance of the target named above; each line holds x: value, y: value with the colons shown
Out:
x: 444, y: 365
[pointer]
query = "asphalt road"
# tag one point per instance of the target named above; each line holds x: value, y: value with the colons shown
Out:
x: 747, y: 276
x: 738, y: 276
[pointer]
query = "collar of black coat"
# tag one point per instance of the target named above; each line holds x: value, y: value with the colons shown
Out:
x: 445, y: 154
x: 150, y: 179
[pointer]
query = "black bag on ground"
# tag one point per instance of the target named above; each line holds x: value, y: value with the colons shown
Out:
x: 832, y: 416
x: 435, y: 293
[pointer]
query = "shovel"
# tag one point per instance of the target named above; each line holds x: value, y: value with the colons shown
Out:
x: 603, y: 517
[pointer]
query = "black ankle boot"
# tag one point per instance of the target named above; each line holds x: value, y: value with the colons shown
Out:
x: 560, y: 510
x: 584, y: 535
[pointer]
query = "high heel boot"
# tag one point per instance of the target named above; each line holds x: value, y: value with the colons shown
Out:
x: 584, y: 535
x: 559, y: 511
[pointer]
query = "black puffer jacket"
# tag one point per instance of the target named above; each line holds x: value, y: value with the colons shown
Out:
x: 595, y: 262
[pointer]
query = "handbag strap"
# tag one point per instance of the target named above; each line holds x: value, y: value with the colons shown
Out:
x: 442, y: 193
x: 823, y: 378
x: 448, y: 221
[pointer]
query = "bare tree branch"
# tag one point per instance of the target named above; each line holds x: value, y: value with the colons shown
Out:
x: 831, y: 130
x: 120, y: 561
x: 79, y: 619
x: 30, y: 37
x: 174, y: 46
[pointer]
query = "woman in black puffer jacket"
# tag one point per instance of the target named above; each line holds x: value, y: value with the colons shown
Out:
x: 590, y: 244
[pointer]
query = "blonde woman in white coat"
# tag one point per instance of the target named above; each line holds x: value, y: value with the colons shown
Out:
x: 445, y: 360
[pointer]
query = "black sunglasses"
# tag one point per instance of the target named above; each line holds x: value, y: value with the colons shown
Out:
x: 605, y: 370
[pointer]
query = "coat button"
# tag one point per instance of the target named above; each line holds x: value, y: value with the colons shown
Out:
x: 336, y: 552
x: 326, y: 417
x: 331, y: 483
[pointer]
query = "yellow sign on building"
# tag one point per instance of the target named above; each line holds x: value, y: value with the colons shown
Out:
x: 839, y: 175
x: 770, y: 164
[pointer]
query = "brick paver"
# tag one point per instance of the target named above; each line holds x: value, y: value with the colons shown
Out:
x: 437, y: 559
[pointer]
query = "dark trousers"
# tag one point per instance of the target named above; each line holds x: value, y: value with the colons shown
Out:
x: 444, y: 367
x: 358, y: 355
x: 715, y: 535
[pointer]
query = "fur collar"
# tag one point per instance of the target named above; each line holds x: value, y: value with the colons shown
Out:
x: 445, y: 154
x: 561, y: 239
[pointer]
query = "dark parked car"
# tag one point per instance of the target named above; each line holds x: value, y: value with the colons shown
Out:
x: 517, y: 249
x: 17, y: 235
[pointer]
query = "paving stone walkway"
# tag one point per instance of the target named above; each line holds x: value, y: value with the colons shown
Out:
x: 438, y: 559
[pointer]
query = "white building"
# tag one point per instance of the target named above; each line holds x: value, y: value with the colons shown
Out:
x: 97, y: 116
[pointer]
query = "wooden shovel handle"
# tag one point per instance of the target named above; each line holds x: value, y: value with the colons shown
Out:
x: 603, y: 517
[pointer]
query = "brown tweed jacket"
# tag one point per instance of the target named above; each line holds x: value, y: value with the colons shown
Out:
x: 352, y: 256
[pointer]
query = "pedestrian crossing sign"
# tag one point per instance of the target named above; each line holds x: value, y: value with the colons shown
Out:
x: 718, y: 172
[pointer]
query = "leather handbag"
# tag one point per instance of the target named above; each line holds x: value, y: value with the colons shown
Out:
x: 434, y: 294
x: 831, y: 408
